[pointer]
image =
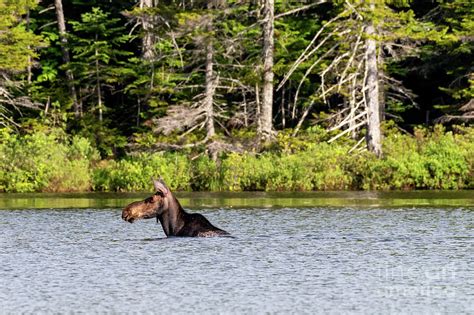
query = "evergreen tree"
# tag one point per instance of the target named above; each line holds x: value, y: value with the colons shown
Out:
x: 206, y: 64
x: 198, y: 74
x: 17, y: 50
x: 98, y: 60
x: 448, y: 58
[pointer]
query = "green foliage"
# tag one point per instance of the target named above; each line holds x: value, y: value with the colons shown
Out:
x: 17, y: 44
x: 245, y: 172
x: 287, y: 143
x: 446, y: 60
x: 134, y: 173
x: 107, y: 140
x: 45, y: 162
x: 434, y: 160
x: 206, y: 174
x: 319, y: 168
x: 18, y: 51
x: 48, y: 160
x: 110, y: 77
x: 98, y: 62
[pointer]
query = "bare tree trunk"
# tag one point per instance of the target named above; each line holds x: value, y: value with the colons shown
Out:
x: 373, y: 136
x: 257, y: 102
x: 282, y: 108
x: 210, y: 89
x: 267, y: 90
x: 98, y: 86
x: 148, y: 41
x: 29, y: 57
x: 246, y: 118
x: 380, y: 61
x: 66, y: 59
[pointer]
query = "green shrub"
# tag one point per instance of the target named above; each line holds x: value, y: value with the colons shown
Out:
x: 319, y: 168
x: 401, y: 168
x: 464, y: 138
x: 48, y: 160
x: 429, y: 160
x: 134, y: 173
x: 206, y: 175
x: 45, y: 162
x: 244, y: 172
x: 330, y: 172
x: 445, y: 160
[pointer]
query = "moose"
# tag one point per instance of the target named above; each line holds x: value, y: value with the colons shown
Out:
x: 166, y: 208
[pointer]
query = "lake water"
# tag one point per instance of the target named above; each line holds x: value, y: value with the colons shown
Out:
x: 308, y: 259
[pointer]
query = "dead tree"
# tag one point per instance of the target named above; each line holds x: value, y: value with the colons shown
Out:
x: 354, y: 73
x: 373, y: 136
x: 148, y: 39
x: 66, y: 58
x: 210, y: 88
x: 266, y: 107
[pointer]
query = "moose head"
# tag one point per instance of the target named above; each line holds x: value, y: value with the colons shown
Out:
x: 150, y: 207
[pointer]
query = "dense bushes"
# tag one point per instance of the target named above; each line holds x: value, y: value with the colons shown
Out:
x: 45, y: 162
x: 436, y: 160
x: 318, y: 168
x: 134, y: 173
x: 427, y: 160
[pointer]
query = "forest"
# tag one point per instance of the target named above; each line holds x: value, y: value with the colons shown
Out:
x: 236, y: 95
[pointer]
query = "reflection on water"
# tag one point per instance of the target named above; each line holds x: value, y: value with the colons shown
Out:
x: 285, y: 260
x: 247, y: 199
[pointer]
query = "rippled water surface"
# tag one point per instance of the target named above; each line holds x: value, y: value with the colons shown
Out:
x: 287, y: 260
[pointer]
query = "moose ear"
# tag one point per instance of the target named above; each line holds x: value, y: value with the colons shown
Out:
x: 160, y: 186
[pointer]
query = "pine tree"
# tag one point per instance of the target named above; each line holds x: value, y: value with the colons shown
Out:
x: 452, y: 53
x: 206, y: 64
x: 17, y: 50
x: 97, y: 57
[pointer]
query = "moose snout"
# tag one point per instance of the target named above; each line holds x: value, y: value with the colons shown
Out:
x: 126, y: 215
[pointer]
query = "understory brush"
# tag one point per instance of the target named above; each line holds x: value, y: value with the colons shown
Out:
x: 45, y: 162
x: 134, y: 173
x: 51, y: 161
x: 427, y: 160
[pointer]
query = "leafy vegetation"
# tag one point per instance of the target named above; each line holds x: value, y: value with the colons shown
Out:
x: 429, y: 160
x: 45, y: 162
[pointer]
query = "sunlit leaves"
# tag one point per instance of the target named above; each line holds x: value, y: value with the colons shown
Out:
x: 17, y: 44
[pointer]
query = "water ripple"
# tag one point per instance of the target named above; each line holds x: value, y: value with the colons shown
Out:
x: 311, y: 260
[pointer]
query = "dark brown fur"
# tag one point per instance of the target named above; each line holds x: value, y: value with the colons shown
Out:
x: 175, y: 221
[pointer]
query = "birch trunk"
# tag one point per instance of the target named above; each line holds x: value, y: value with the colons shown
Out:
x: 258, y: 115
x: 373, y: 136
x: 381, y: 74
x: 148, y: 40
x: 266, y: 113
x: 30, y: 73
x: 98, y: 85
x: 210, y: 89
x: 66, y: 58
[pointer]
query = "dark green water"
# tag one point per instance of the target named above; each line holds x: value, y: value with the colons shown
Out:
x: 247, y: 199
